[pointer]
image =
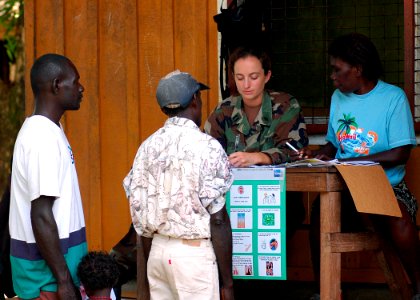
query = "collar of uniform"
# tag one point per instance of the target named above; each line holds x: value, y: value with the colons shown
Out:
x: 183, y: 122
x: 238, y: 115
x: 264, y: 116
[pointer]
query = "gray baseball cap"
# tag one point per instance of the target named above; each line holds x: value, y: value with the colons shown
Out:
x: 177, y: 89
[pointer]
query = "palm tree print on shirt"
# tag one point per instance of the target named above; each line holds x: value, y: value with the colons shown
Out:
x: 345, y: 127
x: 346, y: 123
x: 353, y: 138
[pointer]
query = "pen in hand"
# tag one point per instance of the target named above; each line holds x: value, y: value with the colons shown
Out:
x: 291, y: 147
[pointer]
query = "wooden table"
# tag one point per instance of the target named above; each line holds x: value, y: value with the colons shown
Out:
x: 328, y: 182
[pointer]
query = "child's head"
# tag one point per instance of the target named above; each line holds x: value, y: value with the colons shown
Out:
x: 98, y: 272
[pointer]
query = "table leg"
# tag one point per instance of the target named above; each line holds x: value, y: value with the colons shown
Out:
x: 330, y: 276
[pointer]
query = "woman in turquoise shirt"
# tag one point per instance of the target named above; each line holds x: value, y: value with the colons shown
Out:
x: 371, y: 120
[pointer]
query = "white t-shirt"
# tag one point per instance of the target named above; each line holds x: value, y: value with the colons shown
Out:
x: 43, y: 164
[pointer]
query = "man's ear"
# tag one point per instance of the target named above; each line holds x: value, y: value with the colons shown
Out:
x: 55, y: 86
x: 194, y: 101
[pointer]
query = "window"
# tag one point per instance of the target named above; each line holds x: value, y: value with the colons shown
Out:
x: 300, y: 32
x: 413, y: 57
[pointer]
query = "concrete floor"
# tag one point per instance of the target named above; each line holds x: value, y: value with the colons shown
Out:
x: 290, y: 290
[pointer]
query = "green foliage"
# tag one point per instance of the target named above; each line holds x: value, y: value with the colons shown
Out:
x: 12, y: 94
x: 11, y: 18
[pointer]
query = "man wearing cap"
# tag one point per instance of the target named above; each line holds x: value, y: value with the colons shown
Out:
x: 176, y: 191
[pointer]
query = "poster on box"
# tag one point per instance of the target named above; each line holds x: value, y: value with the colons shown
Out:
x: 241, y: 218
x: 268, y: 195
x: 269, y: 218
x: 269, y: 242
x: 241, y: 195
x: 243, y: 265
x: 257, y: 210
x: 242, y: 242
x: 269, y: 266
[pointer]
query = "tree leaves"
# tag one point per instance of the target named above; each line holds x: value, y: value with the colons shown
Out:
x: 11, y: 19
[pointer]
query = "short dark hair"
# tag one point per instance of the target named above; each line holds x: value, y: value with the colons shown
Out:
x: 243, y: 52
x: 98, y: 270
x: 358, y: 50
x: 172, y: 112
x: 46, y: 68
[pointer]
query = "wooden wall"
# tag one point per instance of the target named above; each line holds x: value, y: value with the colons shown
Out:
x: 121, y: 49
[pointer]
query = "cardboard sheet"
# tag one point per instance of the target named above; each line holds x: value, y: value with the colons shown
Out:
x: 371, y: 191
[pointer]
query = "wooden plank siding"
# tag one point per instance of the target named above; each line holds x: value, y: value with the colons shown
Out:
x: 121, y: 49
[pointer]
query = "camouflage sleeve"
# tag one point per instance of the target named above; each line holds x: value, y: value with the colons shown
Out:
x: 214, y: 127
x: 277, y: 156
x: 291, y: 127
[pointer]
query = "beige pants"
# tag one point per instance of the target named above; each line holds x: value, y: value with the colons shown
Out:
x: 180, y: 269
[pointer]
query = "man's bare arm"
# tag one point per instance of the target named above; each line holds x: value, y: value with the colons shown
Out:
x: 48, y: 242
x: 143, y: 251
x: 221, y: 237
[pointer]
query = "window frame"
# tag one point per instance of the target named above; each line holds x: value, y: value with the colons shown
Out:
x: 409, y: 36
x: 409, y: 60
x: 409, y: 63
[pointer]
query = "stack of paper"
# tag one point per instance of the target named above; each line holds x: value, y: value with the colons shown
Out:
x: 314, y: 162
x: 357, y: 163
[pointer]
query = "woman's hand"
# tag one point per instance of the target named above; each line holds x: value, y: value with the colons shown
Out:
x: 326, y: 152
x: 246, y: 159
x: 305, y: 153
x: 294, y: 155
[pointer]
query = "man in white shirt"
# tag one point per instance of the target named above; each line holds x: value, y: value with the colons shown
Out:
x: 176, y: 190
x: 47, y: 226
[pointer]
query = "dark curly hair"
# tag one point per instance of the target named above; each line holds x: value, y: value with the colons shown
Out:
x: 98, y: 270
x: 358, y: 50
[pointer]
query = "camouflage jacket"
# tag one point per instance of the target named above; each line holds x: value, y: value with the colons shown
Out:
x: 279, y: 120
